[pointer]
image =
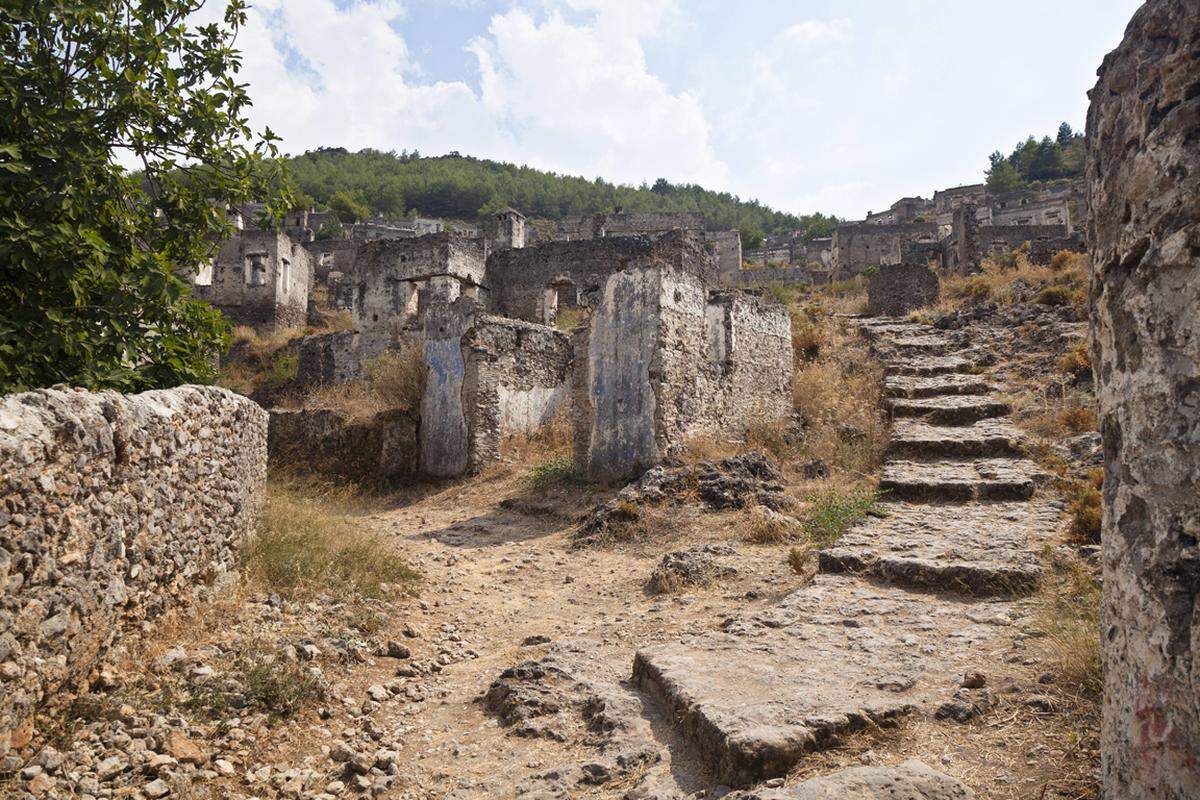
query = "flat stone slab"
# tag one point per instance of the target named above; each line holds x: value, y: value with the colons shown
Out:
x: 833, y: 657
x: 912, y: 386
x: 960, y: 481
x: 981, y: 549
x: 929, y: 365
x: 912, y: 780
x: 952, y: 409
x: 914, y: 438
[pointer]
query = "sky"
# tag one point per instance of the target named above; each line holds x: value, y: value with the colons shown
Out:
x: 807, y: 105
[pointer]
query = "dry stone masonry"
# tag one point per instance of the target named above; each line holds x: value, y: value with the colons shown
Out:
x: 114, y: 509
x: 1143, y: 171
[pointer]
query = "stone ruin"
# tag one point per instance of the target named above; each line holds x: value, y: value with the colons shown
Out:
x: 896, y: 289
x: 482, y: 312
x: 259, y: 278
x: 1143, y: 170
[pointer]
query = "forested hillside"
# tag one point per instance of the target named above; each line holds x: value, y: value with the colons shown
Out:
x: 1033, y: 161
x: 462, y: 187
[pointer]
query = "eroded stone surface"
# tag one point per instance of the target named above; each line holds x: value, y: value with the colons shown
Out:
x: 930, y: 365
x: 986, y: 438
x: 942, y: 548
x: 1143, y: 171
x: 957, y: 409
x: 960, y: 481
x: 831, y: 658
x: 912, y: 780
x: 911, y: 386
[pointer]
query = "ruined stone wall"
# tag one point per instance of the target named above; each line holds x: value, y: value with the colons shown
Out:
x: 259, y: 278
x: 663, y: 359
x: 1143, y: 172
x: 727, y: 247
x: 516, y: 380
x: 594, y: 226
x: 113, y: 510
x: 444, y: 437
x: 392, y: 279
x: 896, y: 289
x: 376, y: 453
x: 998, y: 238
x: 767, y: 275
x: 528, y: 283
x: 859, y: 245
x: 338, y: 357
x: 332, y: 255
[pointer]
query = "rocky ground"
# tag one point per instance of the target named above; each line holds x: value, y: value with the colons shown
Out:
x: 566, y: 642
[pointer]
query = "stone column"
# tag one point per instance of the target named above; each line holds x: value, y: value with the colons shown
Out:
x: 1143, y: 174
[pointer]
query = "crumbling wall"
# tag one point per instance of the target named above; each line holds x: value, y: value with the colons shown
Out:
x: 379, y: 452
x: 113, y: 510
x: 727, y: 247
x: 1143, y: 172
x: 445, y: 444
x: 763, y: 276
x: 663, y: 359
x: 259, y: 278
x: 527, y: 283
x: 896, y: 289
x: 613, y: 404
x: 860, y: 245
x: 516, y: 380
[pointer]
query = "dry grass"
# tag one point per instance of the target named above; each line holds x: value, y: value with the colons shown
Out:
x: 553, y: 439
x: 307, y: 544
x: 1062, y: 282
x: 1084, y: 506
x: 258, y: 360
x: 766, y: 528
x: 839, y: 396
x: 395, y: 381
x: 1070, y: 621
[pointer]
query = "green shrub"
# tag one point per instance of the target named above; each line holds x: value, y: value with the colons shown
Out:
x: 832, y: 511
x: 557, y: 471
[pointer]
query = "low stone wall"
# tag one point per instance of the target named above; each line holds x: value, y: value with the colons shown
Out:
x: 897, y: 289
x: 379, y: 452
x: 113, y: 509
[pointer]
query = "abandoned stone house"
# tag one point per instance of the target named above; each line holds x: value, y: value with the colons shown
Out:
x: 725, y: 245
x: 677, y: 355
x: 259, y: 278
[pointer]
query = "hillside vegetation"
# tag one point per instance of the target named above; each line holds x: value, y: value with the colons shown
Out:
x: 461, y: 187
x: 1033, y: 161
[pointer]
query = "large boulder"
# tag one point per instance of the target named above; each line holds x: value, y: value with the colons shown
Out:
x: 1143, y: 174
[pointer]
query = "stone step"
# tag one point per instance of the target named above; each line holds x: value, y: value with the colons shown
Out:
x: 929, y: 365
x: 834, y: 657
x: 911, y: 780
x: 960, y: 481
x: 955, y: 409
x: 988, y: 438
x: 930, y: 344
x: 981, y: 548
x: 914, y: 386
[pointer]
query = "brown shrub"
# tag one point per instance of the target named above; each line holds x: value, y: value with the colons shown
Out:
x: 1077, y: 361
x: 1078, y: 419
x: 1084, y: 507
x: 1070, y: 619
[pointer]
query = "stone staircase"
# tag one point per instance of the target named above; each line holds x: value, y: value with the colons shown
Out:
x: 902, y: 606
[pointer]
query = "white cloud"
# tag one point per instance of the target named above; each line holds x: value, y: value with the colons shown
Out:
x: 574, y: 95
x: 815, y: 30
x: 579, y: 97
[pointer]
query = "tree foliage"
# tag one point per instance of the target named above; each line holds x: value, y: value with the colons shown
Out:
x: 91, y: 254
x: 1032, y: 161
x: 454, y: 186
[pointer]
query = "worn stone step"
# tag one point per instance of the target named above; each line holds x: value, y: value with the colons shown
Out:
x: 960, y: 481
x: 836, y: 656
x: 979, y: 548
x: 929, y: 365
x: 911, y: 780
x: 913, y: 386
x: 988, y: 438
x: 954, y: 409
